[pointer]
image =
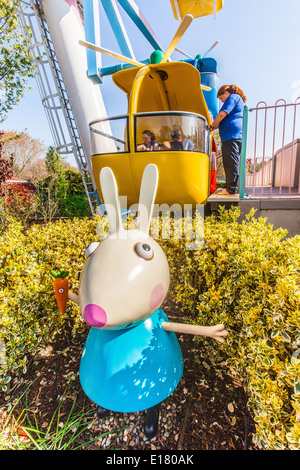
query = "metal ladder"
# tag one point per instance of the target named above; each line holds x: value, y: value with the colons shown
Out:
x: 54, y: 95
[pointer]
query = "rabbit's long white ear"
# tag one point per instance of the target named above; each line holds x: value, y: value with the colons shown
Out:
x: 147, y: 197
x: 111, y: 199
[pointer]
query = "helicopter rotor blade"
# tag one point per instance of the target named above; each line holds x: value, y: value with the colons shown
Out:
x: 205, y: 87
x: 183, y: 53
x: 89, y: 45
x: 214, y: 45
x: 185, y: 23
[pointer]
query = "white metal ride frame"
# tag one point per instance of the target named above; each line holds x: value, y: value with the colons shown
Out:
x: 54, y: 95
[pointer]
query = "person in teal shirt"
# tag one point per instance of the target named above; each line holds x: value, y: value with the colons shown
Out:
x: 229, y: 121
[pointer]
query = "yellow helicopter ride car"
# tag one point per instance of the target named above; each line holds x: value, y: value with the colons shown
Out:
x: 165, y: 99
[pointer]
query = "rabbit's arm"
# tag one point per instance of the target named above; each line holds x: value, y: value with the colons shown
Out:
x: 217, y: 332
x: 73, y: 297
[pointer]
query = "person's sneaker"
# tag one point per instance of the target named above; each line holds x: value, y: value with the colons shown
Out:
x: 223, y: 192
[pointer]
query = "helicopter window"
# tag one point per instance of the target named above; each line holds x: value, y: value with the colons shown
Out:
x: 172, y: 131
x: 109, y: 135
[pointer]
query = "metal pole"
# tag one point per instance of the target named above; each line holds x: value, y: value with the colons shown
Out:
x: 242, y: 178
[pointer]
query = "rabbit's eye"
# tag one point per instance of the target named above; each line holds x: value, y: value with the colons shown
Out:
x: 143, y: 250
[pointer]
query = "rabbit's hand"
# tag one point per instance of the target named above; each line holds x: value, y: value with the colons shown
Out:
x: 73, y: 297
x: 217, y: 331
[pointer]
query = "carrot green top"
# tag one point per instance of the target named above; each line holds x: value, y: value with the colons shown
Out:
x: 62, y: 274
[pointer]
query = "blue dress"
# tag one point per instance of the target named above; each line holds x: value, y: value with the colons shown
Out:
x: 131, y: 370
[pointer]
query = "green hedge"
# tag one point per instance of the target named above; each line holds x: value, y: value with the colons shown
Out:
x: 29, y: 317
x: 246, y: 275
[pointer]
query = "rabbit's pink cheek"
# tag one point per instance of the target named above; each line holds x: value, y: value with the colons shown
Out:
x: 94, y: 315
x: 156, y: 296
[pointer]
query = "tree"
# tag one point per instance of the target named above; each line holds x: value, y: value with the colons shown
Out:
x: 16, y: 200
x: 26, y: 151
x: 54, y: 162
x: 52, y: 189
x: 62, y: 192
x: 15, y: 62
x: 5, y: 167
x: 75, y: 202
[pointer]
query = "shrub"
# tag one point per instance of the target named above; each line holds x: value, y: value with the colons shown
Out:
x: 75, y: 203
x: 245, y: 275
x: 61, y: 193
x: 62, y: 196
x: 20, y: 201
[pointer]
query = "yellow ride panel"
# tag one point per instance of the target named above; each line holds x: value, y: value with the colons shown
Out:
x: 173, y: 86
x: 183, y: 176
x: 196, y: 8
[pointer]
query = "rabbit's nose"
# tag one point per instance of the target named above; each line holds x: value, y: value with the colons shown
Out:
x: 94, y: 315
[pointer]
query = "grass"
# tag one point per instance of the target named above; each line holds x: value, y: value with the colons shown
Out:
x: 25, y: 433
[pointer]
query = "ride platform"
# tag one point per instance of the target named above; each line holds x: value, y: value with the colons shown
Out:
x: 281, y: 211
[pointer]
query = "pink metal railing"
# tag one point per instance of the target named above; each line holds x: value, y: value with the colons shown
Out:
x: 276, y: 165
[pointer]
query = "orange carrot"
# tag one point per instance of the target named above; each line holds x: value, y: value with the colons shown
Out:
x: 61, y: 288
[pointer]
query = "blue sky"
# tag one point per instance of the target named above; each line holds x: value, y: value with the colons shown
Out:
x: 258, y: 50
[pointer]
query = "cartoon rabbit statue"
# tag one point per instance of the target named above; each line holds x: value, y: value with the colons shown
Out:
x: 131, y: 360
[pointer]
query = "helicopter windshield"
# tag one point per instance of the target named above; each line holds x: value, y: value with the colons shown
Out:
x: 165, y: 131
